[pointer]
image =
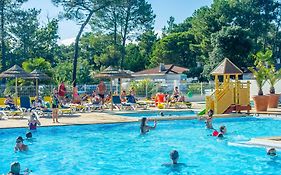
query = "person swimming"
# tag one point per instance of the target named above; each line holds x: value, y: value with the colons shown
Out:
x: 15, y: 169
x: 174, y: 156
x: 222, y: 131
x: 28, y: 135
x: 161, y: 114
x: 144, y: 128
x: 33, y: 122
x: 209, y: 119
x: 271, y: 152
x: 20, y: 146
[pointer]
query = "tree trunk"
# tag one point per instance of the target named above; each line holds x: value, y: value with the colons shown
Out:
x: 3, y: 46
x: 123, y: 53
x: 76, y: 45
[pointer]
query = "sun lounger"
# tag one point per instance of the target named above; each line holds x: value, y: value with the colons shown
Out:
x: 25, y: 104
x: 180, y: 105
x: 119, y: 105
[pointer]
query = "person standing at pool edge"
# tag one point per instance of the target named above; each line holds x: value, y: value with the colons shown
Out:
x: 55, y: 106
x: 101, y: 89
x: 62, y: 91
x: 144, y: 128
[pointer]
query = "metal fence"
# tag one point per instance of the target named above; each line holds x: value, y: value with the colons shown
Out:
x: 144, y: 91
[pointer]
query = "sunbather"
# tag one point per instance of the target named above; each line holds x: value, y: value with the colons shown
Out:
x: 20, y: 146
x: 38, y: 104
x: 123, y: 96
x: 10, y: 103
x: 132, y: 92
x: 176, y: 93
x: 76, y: 97
x: 144, y: 128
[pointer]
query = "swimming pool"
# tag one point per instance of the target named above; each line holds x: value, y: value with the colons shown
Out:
x: 157, y: 114
x: 119, y: 149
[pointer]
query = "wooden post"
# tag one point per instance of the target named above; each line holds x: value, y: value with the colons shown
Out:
x: 36, y: 87
x: 16, y: 91
x: 111, y: 94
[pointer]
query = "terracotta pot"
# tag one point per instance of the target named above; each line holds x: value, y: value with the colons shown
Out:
x: 261, y: 102
x: 273, y: 100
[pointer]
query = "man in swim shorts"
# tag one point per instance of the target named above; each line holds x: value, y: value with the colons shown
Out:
x: 101, y: 89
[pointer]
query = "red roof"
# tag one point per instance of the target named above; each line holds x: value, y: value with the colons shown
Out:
x: 169, y: 68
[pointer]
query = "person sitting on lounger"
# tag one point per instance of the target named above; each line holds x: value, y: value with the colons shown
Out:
x: 132, y: 92
x: 123, y: 96
x: 20, y: 146
x: 38, y: 104
x: 96, y: 99
x: 144, y: 128
x: 33, y: 122
x: 176, y: 93
x: 174, y: 156
x: 10, y: 102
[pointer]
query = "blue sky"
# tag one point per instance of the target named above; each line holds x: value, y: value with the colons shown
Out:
x: 180, y: 9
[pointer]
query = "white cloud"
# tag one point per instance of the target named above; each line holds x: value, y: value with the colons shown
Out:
x: 67, y: 42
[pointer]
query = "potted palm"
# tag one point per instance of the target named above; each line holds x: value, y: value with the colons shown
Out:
x: 273, y: 77
x: 260, y: 73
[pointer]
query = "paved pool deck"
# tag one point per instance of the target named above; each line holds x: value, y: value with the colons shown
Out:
x: 270, y: 112
x: 107, y: 116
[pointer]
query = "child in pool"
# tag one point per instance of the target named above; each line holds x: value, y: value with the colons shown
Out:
x: 33, y: 122
x: 144, y: 128
x: 222, y: 131
x: 209, y: 119
x: 20, y: 146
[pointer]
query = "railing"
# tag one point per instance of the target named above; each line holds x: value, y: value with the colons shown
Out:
x: 195, y: 89
x: 228, y: 94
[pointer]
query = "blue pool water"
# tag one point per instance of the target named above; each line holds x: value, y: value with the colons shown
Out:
x: 157, y: 114
x: 120, y: 149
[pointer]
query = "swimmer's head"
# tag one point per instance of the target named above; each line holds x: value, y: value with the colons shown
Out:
x: 15, y: 168
x: 223, y: 129
x: 210, y: 113
x: 174, y: 155
x: 19, y: 139
x: 161, y: 114
x: 28, y: 135
x: 271, y: 152
x: 143, y: 121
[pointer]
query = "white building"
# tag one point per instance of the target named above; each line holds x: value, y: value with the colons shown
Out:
x: 163, y: 74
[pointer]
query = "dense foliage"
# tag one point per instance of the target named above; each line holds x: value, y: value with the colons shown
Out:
x: 122, y: 35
